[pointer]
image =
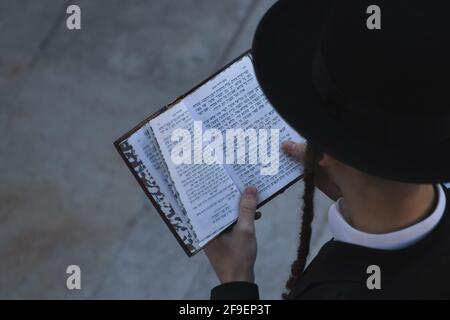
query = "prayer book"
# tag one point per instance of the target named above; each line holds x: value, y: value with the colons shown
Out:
x: 194, y: 157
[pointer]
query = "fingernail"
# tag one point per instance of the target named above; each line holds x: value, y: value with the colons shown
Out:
x: 288, y: 146
x: 251, y: 191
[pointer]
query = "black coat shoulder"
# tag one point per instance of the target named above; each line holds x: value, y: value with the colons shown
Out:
x: 340, y: 271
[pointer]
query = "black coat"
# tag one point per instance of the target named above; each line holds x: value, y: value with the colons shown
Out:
x: 339, y: 271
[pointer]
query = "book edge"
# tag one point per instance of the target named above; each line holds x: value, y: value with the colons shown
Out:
x: 154, y: 202
x: 154, y: 115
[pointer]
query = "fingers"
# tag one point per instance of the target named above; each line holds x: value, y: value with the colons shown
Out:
x: 229, y: 229
x: 247, y: 208
x: 294, y: 149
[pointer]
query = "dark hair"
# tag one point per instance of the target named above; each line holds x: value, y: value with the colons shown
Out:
x: 298, y: 265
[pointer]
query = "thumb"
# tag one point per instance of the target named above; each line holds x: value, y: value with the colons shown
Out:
x: 247, y: 208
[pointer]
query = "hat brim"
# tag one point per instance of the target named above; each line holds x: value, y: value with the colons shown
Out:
x: 283, y: 49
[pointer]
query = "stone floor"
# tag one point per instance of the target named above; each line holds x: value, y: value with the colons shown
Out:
x: 65, y: 195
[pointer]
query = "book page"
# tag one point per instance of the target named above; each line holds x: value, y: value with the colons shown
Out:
x: 157, y: 182
x: 142, y: 152
x: 207, y: 192
x: 234, y: 99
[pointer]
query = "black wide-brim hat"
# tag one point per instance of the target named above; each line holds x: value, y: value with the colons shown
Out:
x: 376, y: 99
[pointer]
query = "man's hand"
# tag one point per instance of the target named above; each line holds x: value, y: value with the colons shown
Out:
x: 321, y: 179
x: 233, y: 254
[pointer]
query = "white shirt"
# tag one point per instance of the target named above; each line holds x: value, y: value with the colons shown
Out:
x: 344, y: 232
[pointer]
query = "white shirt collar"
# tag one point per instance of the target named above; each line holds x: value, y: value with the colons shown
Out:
x: 344, y: 232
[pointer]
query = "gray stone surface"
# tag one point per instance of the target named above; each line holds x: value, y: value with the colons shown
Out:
x: 65, y: 195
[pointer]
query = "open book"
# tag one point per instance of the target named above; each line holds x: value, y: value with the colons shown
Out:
x: 198, y: 200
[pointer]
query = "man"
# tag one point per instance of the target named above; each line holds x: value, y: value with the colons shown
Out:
x: 371, y: 100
